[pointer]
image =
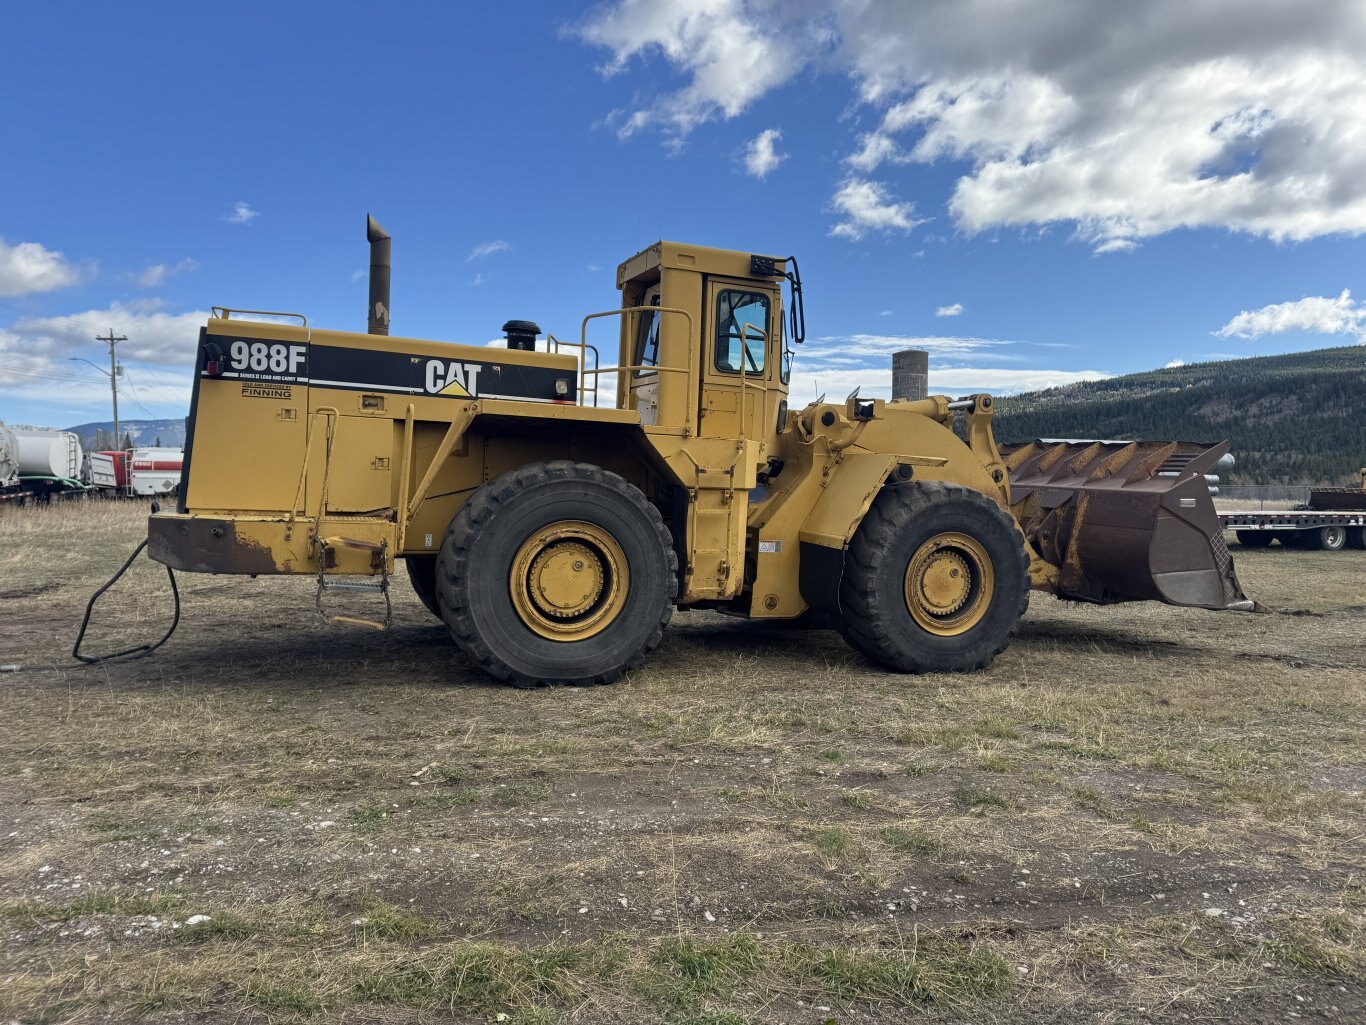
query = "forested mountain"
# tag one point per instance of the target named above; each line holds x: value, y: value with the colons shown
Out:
x: 1294, y: 419
x: 142, y: 433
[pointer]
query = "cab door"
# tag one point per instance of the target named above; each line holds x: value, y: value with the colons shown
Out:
x: 644, y: 382
x: 740, y: 319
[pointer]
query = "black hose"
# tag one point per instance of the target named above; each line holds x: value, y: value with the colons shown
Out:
x: 141, y: 649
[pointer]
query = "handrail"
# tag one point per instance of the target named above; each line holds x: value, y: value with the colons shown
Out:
x: 744, y: 351
x: 583, y: 347
x: 583, y: 337
x: 294, y: 511
x: 226, y: 312
x: 405, y: 476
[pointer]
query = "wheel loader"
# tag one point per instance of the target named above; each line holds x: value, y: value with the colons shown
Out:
x: 553, y: 507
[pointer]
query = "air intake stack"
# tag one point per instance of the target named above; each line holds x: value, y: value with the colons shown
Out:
x: 379, y: 277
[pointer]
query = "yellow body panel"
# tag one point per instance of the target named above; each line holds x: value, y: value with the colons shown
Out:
x: 333, y: 451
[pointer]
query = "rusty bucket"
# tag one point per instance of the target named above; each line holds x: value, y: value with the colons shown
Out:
x: 1126, y: 521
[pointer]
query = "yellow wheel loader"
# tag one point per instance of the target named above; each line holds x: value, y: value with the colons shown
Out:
x: 554, y: 508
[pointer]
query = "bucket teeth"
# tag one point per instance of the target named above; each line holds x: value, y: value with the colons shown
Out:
x: 1125, y: 520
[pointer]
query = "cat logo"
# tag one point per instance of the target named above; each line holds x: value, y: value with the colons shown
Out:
x: 450, y: 378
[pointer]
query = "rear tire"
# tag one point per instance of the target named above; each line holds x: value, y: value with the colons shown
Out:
x: 1356, y: 537
x: 1255, y: 538
x: 557, y: 572
x: 422, y: 575
x: 1332, y: 538
x: 935, y: 580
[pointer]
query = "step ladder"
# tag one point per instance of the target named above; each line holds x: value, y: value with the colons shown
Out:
x: 327, y: 559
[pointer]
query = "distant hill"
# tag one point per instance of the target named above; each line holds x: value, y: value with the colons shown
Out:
x: 143, y: 432
x: 1294, y: 419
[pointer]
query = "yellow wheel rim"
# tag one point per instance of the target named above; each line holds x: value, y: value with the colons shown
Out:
x: 949, y: 584
x: 569, y: 580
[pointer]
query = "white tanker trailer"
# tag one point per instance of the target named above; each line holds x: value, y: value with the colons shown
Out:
x: 9, y: 458
x: 46, y: 463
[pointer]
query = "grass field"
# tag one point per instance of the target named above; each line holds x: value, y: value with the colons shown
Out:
x: 1137, y: 814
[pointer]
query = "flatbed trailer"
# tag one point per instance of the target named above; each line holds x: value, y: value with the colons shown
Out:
x: 1330, y: 530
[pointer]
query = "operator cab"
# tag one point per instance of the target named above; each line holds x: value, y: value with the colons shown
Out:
x: 704, y: 344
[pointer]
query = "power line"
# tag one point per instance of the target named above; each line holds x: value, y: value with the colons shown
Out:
x: 136, y: 398
x: 50, y: 375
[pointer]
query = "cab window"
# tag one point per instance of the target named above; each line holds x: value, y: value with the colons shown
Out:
x: 741, y: 330
x: 647, y: 336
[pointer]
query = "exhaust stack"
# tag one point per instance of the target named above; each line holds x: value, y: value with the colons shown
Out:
x: 379, y: 276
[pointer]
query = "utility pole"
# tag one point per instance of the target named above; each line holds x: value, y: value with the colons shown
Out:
x: 112, y: 340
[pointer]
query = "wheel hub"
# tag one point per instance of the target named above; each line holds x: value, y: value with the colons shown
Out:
x: 566, y: 578
x: 945, y: 582
x: 569, y: 580
x: 950, y: 583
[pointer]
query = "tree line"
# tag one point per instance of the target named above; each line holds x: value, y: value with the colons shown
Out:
x: 1294, y: 419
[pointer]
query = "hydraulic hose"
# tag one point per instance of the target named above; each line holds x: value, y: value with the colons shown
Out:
x: 140, y: 650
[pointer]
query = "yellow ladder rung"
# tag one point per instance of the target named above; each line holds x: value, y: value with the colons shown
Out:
x: 369, y: 624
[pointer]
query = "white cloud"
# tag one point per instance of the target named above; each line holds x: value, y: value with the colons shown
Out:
x: 885, y: 313
x: 761, y: 155
x: 875, y: 381
x: 1123, y: 120
x: 1314, y: 313
x: 484, y: 249
x: 869, y: 206
x: 360, y: 275
x: 28, y: 267
x: 949, y: 311
x: 1006, y: 380
x: 1172, y: 364
x: 242, y: 213
x: 154, y: 336
x: 733, y: 51
x: 830, y: 346
x: 159, y: 272
x: 874, y: 149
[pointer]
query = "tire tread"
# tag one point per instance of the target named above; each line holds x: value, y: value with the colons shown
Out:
x: 865, y: 623
x: 481, y: 508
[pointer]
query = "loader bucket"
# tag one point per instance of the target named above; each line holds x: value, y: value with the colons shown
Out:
x: 1125, y: 521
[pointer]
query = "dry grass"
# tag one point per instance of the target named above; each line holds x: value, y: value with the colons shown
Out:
x: 1136, y: 807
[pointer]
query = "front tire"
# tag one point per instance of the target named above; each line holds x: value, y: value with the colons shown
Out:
x: 1255, y: 538
x: 557, y: 572
x: 935, y: 580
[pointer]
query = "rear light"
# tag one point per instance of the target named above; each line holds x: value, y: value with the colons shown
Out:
x: 215, y: 360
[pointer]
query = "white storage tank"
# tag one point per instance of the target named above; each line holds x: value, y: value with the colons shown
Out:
x: 48, y: 453
x: 9, y: 457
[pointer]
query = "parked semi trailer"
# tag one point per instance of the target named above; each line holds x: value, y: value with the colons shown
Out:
x: 9, y: 463
x: 1333, y: 519
x: 39, y: 463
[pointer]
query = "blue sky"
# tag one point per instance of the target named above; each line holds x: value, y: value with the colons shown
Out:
x: 1035, y: 191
